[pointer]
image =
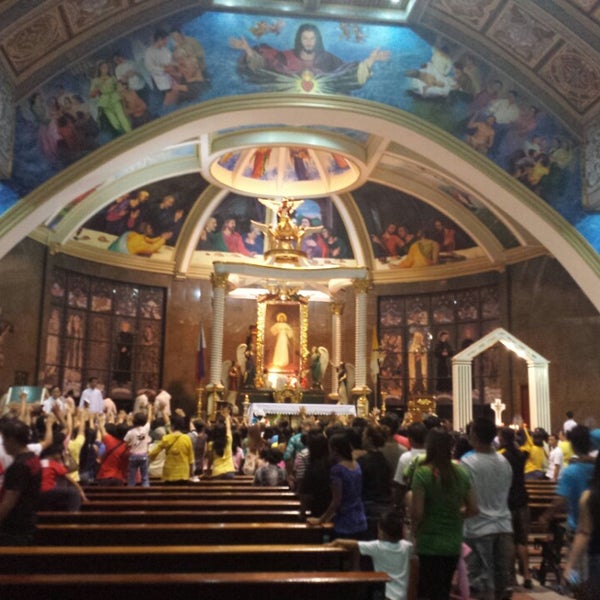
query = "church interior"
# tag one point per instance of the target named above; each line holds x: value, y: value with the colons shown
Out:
x: 308, y: 199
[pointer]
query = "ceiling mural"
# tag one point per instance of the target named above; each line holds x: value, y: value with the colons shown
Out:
x: 138, y: 63
x: 179, y: 62
x: 484, y: 214
x: 145, y: 221
x: 407, y: 233
x: 236, y: 227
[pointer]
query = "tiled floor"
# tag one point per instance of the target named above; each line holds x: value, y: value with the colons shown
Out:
x: 537, y: 593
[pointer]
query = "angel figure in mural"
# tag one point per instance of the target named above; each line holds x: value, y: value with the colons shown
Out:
x: 319, y: 360
x: 284, y: 336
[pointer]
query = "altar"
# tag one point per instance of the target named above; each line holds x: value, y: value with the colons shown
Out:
x: 257, y: 410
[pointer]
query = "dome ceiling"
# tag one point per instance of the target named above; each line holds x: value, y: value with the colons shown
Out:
x: 546, y: 42
x: 186, y: 222
x: 397, y: 170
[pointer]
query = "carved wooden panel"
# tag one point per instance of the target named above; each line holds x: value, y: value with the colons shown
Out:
x: 7, y: 126
x: 474, y: 13
x: 585, y: 5
x: 37, y: 37
x: 575, y: 75
x: 522, y: 35
x: 83, y: 14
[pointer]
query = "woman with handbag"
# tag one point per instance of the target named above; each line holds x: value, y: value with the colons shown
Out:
x: 179, y: 453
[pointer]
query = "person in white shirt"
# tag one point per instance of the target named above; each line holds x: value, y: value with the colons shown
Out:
x: 55, y: 399
x: 555, y: 459
x: 128, y: 72
x: 390, y: 553
x: 138, y: 440
x: 158, y: 59
x: 91, y: 397
x: 570, y: 422
x: 416, y: 436
x: 162, y: 404
x: 110, y: 408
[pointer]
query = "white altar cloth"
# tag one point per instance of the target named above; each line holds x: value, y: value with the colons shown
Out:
x: 260, y: 409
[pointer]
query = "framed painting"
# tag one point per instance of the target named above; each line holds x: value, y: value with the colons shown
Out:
x: 281, y: 338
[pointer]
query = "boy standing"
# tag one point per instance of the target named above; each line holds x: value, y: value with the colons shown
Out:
x: 390, y: 553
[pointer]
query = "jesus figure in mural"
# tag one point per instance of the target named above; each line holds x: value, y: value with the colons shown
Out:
x: 284, y: 335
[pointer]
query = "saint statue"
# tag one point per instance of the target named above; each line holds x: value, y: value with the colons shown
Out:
x: 342, y: 377
x: 319, y: 359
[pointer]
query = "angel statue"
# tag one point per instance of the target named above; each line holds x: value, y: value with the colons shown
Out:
x: 285, y: 238
x: 247, y: 361
x: 319, y: 360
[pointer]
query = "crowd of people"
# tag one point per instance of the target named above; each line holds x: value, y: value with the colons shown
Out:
x: 457, y: 501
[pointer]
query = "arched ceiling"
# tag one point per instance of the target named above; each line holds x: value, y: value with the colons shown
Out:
x: 552, y: 44
x: 541, y: 42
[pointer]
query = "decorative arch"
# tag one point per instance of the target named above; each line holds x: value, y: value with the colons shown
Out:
x: 537, y: 375
x: 456, y: 163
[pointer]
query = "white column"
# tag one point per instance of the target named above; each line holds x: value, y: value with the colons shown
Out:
x: 337, y: 310
x: 361, y: 287
x: 539, y: 395
x: 462, y: 394
x: 219, y: 283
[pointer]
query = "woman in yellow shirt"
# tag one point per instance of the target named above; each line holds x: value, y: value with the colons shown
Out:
x: 220, y: 455
x: 179, y: 451
x: 535, y: 465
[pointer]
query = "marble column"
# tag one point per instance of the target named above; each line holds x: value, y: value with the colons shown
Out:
x: 216, y: 388
x: 361, y: 287
x: 462, y: 393
x: 337, y: 310
x: 539, y: 395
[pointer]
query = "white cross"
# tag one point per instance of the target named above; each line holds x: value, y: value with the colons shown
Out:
x: 498, y: 407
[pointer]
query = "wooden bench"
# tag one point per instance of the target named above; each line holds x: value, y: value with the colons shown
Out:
x: 147, y: 534
x: 212, y: 487
x: 172, y: 559
x: 191, y: 495
x: 168, y: 516
x: 169, y: 504
x: 238, y: 480
x: 350, y: 585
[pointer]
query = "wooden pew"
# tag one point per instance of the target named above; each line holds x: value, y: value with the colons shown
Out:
x: 211, y: 487
x: 257, y: 495
x: 168, y: 516
x: 169, y: 504
x: 238, y: 480
x: 147, y: 534
x: 350, y: 585
x: 171, y: 559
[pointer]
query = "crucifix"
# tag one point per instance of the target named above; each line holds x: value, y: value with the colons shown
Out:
x: 498, y: 407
